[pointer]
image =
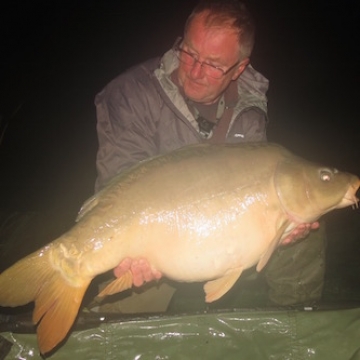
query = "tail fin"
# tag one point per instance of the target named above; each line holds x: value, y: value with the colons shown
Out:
x: 57, y: 301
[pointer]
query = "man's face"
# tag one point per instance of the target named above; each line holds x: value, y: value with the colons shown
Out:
x: 218, y: 46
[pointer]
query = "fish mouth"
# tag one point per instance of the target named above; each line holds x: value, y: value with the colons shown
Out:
x: 350, y: 197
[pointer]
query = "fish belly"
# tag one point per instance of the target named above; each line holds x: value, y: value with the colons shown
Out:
x: 200, y: 250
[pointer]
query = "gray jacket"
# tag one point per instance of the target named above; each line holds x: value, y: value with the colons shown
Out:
x: 141, y: 114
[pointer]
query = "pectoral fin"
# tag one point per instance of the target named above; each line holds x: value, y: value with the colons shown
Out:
x: 119, y: 284
x: 215, y: 289
x: 273, y: 245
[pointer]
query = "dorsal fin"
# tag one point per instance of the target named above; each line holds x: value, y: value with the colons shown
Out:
x: 88, y: 205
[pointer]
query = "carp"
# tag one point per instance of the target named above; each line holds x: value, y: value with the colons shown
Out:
x: 203, y: 213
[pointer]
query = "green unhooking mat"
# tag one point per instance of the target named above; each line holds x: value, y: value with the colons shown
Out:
x: 249, y: 335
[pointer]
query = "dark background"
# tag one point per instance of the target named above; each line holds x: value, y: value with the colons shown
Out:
x: 55, y: 56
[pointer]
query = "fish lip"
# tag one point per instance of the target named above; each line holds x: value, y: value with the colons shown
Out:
x: 350, y: 197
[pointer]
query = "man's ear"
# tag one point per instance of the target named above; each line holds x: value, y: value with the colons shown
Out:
x: 241, y: 67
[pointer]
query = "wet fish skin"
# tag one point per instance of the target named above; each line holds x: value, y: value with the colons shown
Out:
x: 201, y: 213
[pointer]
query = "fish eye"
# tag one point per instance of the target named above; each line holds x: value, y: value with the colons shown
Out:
x: 326, y: 175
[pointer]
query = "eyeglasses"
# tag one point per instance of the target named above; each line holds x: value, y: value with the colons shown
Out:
x: 191, y: 59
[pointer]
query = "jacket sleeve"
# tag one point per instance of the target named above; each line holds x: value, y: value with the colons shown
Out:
x: 126, y: 123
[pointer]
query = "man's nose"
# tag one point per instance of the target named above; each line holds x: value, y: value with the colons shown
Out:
x: 196, y: 71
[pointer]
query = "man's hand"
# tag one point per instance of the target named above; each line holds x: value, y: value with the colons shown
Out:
x: 300, y: 232
x: 140, y: 269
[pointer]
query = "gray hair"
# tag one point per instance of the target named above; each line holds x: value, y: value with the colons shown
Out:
x: 230, y: 13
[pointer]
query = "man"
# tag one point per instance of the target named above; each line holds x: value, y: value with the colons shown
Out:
x: 203, y: 89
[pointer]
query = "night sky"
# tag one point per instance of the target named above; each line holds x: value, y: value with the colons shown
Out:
x: 56, y: 55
